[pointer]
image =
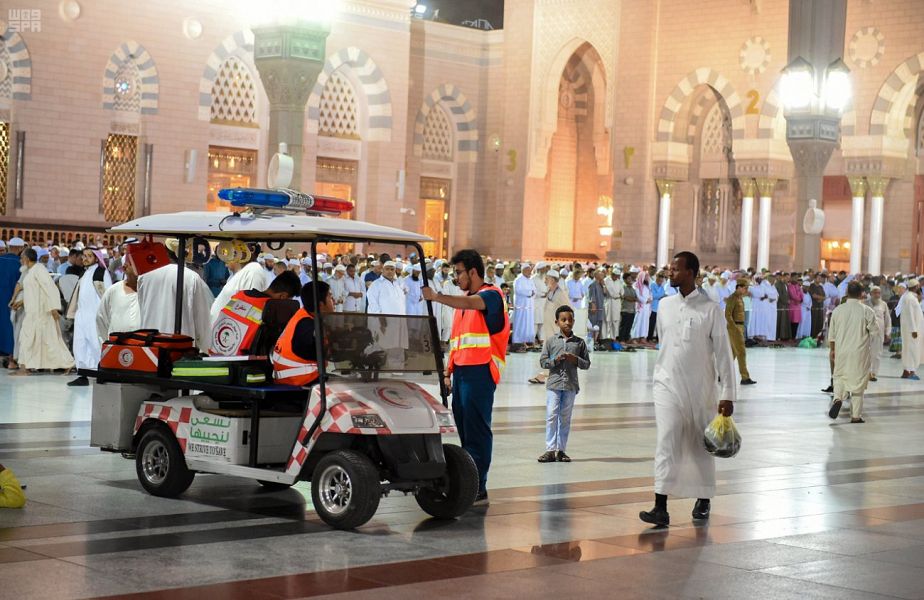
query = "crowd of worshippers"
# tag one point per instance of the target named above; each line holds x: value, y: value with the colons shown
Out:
x: 59, y: 303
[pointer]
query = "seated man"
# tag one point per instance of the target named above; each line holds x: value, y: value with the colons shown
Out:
x: 241, y: 327
x: 295, y: 357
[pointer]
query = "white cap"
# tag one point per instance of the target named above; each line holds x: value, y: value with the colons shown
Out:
x: 525, y: 266
x: 390, y: 263
x: 634, y: 269
x: 340, y: 268
x: 376, y: 263
x: 416, y: 267
x: 16, y: 241
x: 553, y: 274
x: 328, y: 265
x: 267, y: 256
x: 499, y: 265
x: 306, y: 261
x: 77, y: 246
x: 407, y: 268
x: 438, y: 264
x: 541, y: 265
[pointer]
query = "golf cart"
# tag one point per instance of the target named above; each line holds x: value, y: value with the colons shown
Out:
x: 365, y: 428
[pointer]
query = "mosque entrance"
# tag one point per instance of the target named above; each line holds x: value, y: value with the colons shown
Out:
x: 435, y: 195
x: 229, y: 167
x: 337, y: 178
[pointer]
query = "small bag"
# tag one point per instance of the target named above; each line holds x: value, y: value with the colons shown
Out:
x: 146, y: 255
x: 808, y: 342
x: 145, y: 350
x: 251, y: 371
x: 722, y: 438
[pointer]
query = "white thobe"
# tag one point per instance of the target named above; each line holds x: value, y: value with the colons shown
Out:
x: 338, y: 291
x: 554, y: 299
x: 414, y: 302
x: 40, y: 343
x: 912, y: 321
x: 576, y: 295
x: 694, y: 369
x: 642, y: 320
x: 157, y: 302
x: 805, y: 325
x: 353, y: 285
x: 614, y: 290
x: 386, y: 297
x: 757, y: 321
x: 251, y: 277
x: 773, y: 296
x: 446, y: 313
x: 852, y: 327
x: 541, y: 290
x: 524, y: 293
x: 585, y: 287
x: 118, y: 311
x: 87, y: 345
x: 884, y: 321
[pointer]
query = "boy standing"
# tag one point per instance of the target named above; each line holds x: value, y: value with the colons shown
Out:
x: 562, y: 354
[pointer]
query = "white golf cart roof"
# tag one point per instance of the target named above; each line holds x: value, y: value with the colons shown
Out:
x: 263, y: 226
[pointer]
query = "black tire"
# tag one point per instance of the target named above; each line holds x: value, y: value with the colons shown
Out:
x: 345, y: 489
x: 457, y: 490
x: 274, y: 486
x: 160, y: 464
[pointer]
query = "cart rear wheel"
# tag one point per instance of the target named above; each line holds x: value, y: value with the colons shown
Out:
x: 161, y: 466
x: 456, y: 491
x: 274, y: 486
x: 345, y: 489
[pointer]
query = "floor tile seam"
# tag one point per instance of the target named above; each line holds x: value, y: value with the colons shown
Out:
x: 767, y: 571
x: 777, y: 541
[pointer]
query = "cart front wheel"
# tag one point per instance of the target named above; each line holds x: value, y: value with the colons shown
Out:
x: 456, y: 491
x: 160, y: 465
x: 345, y: 489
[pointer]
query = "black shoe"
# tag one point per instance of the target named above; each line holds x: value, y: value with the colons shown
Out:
x: 701, y: 509
x: 548, y: 457
x: 481, y: 499
x: 748, y: 381
x: 835, y: 409
x: 656, y: 516
x: 873, y: 378
x: 828, y: 390
x: 79, y: 382
x: 562, y: 457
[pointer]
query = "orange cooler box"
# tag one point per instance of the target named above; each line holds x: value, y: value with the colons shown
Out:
x: 144, y: 351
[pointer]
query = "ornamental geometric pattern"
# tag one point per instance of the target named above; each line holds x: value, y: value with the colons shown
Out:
x: 127, y: 88
x: 6, y: 75
x: 337, y: 116
x: 866, y: 47
x: 4, y: 163
x: 119, y: 164
x: 919, y: 145
x: 437, y: 143
x: 132, y: 53
x: 461, y: 114
x: 754, y: 56
x: 234, y: 95
x: 717, y: 139
x: 19, y: 62
x: 239, y: 44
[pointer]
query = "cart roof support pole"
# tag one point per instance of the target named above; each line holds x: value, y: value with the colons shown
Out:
x: 180, y: 287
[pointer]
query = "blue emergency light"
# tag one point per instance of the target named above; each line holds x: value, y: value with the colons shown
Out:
x: 285, y: 199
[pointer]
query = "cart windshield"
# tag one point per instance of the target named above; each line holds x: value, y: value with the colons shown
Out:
x: 358, y: 342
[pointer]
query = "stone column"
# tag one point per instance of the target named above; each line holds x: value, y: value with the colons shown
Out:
x: 809, y: 159
x: 765, y: 188
x: 748, y: 187
x: 877, y: 188
x: 858, y: 190
x: 665, y: 188
x: 289, y: 59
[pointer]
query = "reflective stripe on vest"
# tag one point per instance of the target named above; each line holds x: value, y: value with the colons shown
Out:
x: 288, y: 367
x: 471, y: 342
x: 237, y: 325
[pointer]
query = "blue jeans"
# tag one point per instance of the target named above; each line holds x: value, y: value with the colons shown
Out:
x: 559, y: 404
x: 472, y: 403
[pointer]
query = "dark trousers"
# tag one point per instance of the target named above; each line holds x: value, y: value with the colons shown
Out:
x: 472, y: 403
x: 652, y: 326
x: 625, y: 326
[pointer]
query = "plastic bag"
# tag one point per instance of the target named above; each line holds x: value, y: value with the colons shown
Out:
x: 808, y: 342
x: 721, y: 437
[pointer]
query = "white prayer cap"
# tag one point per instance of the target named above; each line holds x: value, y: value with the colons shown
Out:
x: 499, y: 265
x: 390, y: 263
x: 553, y: 274
x: 563, y: 273
x: 634, y: 269
x: 340, y: 268
x: 407, y: 268
x: 376, y: 263
x: 77, y: 246
x: 416, y: 267
x: 875, y: 288
x: 41, y: 252
x: 541, y: 265
x: 525, y: 266
x: 438, y: 264
x: 328, y: 265
x: 267, y: 256
x: 913, y: 283
x: 306, y: 261
x: 16, y: 242
x: 725, y: 274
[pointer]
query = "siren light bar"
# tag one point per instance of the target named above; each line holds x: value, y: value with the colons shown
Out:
x: 284, y: 199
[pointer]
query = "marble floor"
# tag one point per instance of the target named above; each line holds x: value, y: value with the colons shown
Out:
x: 810, y: 508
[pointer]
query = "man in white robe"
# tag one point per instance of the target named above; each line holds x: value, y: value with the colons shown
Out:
x: 118, y: 309
x: 157, y: 302
x: 251, y: 276
x: 538, y: 278
x: 413, y: 284
x: 355, y: 290
x: 613, y: 287
x: 773, y: 296
x: 576, y: 297
x: 386, y: 297
x: 912, y: 322
x: 41, y: 345
x: 884, y: 320
x: 852, y: 328
x: 446, y: 286
x: 695, y: 368
x: 524, y: 295
x: 83, y: 307
x: 337, y: 285
x: 757, y: 320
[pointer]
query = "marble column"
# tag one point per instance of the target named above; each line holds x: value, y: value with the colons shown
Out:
x: 748, y: 187
x: 765, y: 188
x: 877, y: 188
x: 858, y: 190
x: 665, y: 188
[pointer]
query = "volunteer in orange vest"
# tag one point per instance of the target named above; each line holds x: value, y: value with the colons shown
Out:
x: 235, y: 330
x: 477, y: 349
x: 295, y: 357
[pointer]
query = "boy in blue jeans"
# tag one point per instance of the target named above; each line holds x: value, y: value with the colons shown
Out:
x: 562, y: 354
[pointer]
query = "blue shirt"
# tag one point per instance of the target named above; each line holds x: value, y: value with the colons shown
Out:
x: 657, y: 292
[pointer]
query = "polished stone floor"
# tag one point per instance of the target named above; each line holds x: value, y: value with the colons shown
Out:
x: 810, y: 508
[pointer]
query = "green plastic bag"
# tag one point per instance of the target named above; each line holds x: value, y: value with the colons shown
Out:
x: 808, y: 342
x: 722, y: 438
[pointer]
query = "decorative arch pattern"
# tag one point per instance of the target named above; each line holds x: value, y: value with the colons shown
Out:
x: 150, y: 82
x: 238, y: 44
x: 20, y: 63
x: 372, y: 82
x: 892, y: 93
x: 463, y: 116
x: 701, y: 76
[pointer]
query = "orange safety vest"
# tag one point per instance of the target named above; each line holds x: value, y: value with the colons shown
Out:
x: 237, y: 325
x: 289, y: 368
x: 471, y: 342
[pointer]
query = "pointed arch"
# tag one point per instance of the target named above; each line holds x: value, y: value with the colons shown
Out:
x: 463, y: 118
x: 675, y: 103
x: 239, y: 44
x: 20, y: 63
x: 134, y: 52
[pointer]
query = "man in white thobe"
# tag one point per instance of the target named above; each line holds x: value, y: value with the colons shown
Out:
x: 337, y: 285
x: 41, y: 345
x: 773, y: 297
x: 613, y: 287
x: 853, y: 325
x: 118, y: 309
x: 251, y: 276
x: 413, y: 284
x: 884, y: 320
x: 386, y: 297
x: 524, y: 297
x: 83, y: 307
x: 757, y: 321
x: 542, y: 268
x: 157, y: 302
x: 912, y: 322
x: 355, y: 290
x: 446, y: 286
x: 694, y: 368
x: 576, y: 297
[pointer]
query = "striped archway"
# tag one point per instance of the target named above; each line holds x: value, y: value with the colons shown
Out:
x: 675, y: 102
x: 897, y: 94
x: 239, y: 44
x: 463, y: 118
x: 20, y: 63
x: 150, y: 82
x: 371, y: 82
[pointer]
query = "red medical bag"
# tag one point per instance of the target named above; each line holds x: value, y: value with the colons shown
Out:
x: 146, y: 255
x: 145, y: 351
